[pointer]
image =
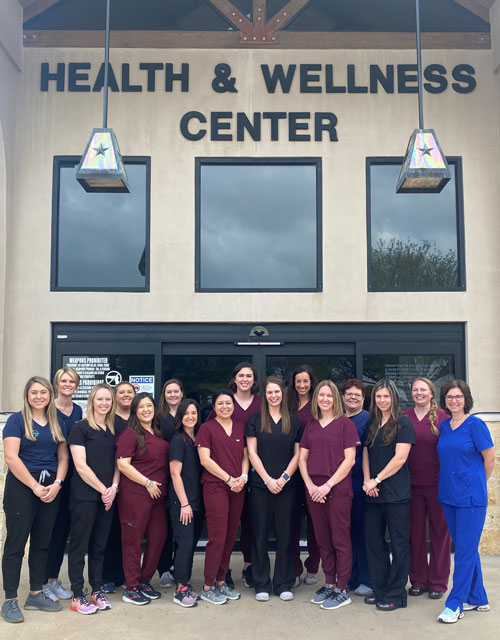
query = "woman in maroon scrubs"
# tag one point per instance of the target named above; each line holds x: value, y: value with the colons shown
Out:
x: 301, y: 387
x: 327, y: 455
x: 423, y: 463
x: 142, y: 457
x: 223, y: 454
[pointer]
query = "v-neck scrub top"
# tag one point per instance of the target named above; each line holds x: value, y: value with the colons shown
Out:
x: 183, y: 450
x: 226, y: 451
x: 38, y: 454
x: 423, y: 461
x: 462, y: 479
x: 66, y: 422
x: 240, y: 414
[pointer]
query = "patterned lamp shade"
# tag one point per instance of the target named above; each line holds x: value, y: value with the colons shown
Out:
x: 425, y: 169
x: 101, y: 168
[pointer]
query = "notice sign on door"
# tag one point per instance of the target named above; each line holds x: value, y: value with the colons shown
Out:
x: 143, y: 384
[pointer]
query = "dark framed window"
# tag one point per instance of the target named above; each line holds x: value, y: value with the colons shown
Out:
x: 100, y: 241
x: 258, y: 224
x: 415, y: 241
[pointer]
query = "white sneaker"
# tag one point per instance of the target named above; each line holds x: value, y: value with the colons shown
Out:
x: 449, y: 616
x: 49, y: 593
x: 263, y: 596
x: 59, y: 591
x: 166, y: 580
x: 476, y: 607
x: 286, y: 595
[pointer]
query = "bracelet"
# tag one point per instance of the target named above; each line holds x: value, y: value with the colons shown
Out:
x: 328, y: 485
x: 59, y: 481
x: 184, y: 505
x: 116, y: 486
x: 377, y: 479
x: 229, y: 478
x: 149, y: 484
x: 267, y: 481
x: 245, y: 477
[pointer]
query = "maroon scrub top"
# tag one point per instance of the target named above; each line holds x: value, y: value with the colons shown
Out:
x: 305, y: 414
x: 240, y: 414
x: 226, y: 451
x: 423, y: 461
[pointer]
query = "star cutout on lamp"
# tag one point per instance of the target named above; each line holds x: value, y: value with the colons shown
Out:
x: 426, y: 151
x: 100, y: 150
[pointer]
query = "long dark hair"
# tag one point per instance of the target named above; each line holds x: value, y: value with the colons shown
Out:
x: 265, y: 418
x: 163, y: 408
x: 293, y: 396
x: 237, y: 369
x: 181, y: 410
x: 134, y: 424
x: 392, y: 425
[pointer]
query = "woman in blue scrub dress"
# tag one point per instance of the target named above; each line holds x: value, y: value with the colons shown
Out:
x: 466, y: 457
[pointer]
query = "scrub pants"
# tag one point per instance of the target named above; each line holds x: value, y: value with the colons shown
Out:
x: 300, y: 509
x: 466, y: 525
x: 270, y: 511
x: 246, y: 530
x: 388, y: 578
x: 167, y: 556
x: 332, y: 524
x: 141, y: 517
x: 112, y: 568
x: 360, y: 573
x: 223, y: 508
x: 432, y: 575
x: 26, y: 516
x: 60, y: 532
x: 186, y: 538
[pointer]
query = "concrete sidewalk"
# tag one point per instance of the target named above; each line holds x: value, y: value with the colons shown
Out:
x: 247, y: 619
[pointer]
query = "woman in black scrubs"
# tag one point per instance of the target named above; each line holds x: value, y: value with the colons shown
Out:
x: 273, y: 438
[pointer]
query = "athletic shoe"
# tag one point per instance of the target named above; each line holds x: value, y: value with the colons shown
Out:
x: 213, y: 595
x: 194, y: 593
x: 82, y: 605
x: 476, y: 607
x: 296, y: 583
x: 134, y: 596
x: 166, y: 580
x: 99, y: 599
x: 147, y: 590
x: 184, y: 597
x: 286, y: 595
x: 323, y: 594
x: 109, y: 587
x: 246, y: 574
x: 49, y: 593
x: 262, y: 596
x: 363, y: 590
x: 60, y: 592
x: 311, y: 578
x: 229, y: 579
x: 11, y: 612
x: 340, y: 599
x: 226, y: 590
x: 41, y: 602
x: 449, y: 616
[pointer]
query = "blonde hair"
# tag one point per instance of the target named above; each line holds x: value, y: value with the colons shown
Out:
x: 59, y: 374
x: 337, y: 404
x: 50, y: 411
x: 433, y: 412
x: 110, y: 416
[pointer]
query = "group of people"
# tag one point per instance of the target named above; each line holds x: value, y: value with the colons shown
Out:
x: 136, y: 472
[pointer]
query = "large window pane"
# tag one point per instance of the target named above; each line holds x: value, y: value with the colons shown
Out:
x: 100, y: 239
x: 338, y: 368
x: 258, y: 225
x: 414, y: 238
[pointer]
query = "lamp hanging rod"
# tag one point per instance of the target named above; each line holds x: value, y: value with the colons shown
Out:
x: 106, y: 66
x: 419, y: 68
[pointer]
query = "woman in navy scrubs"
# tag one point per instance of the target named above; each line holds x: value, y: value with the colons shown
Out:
x: 467, y: 457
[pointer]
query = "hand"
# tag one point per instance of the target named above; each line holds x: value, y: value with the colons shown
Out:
x: 51, y: 492
x: 40, y: 491
x: 373, y: 493
x: 154, y: 489
x: 369, y: 485
x: 273, y: 486
x: 319, y: 493
x: 237, y: 484
x: 186, y: 514
x: 281, y: 482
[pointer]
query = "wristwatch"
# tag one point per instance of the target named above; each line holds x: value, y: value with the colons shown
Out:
x: 377, y: 479
x: 285, y: 476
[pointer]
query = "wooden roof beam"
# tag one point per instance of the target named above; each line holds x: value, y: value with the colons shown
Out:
x: 479, y: 8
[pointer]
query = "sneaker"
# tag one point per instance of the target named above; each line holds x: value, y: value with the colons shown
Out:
x: 60, y: 592
x: 194, y: 593
x: 311, y: 578
x: 82, y: 605
x: 246, y: 574
x: 323, y: 594
x: 184, y: 597
x: 262, y: 596
x: 229, y: 579
x: 363, y: 590
x: 226, y: 590
x: 286, y: 595
x: 11, y: 611
x: 449, y: 616
x: 99, y: 599
x: 296, y: 583
x: 340, y: 599
x: 167, y: 580
x: 213, y: 595
x: 109, y: 587
x: 41, y: 602
x: 134, y: 596
x: 49, y: 593
x: 476, y: 607
x: 147, y: 590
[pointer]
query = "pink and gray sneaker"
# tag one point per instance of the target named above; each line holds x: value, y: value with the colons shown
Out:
x: 184, y: 597
x: 82, y: 605
x: 99, y: 599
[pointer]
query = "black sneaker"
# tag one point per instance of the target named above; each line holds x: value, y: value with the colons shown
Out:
x: 246, y: 574
x: 147, y: 590
x: 229, y: 580
x: 134, y: 596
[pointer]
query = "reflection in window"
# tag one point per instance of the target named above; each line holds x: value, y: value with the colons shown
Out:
x: 338, y: 368
x: 402, y: 370
x: 414, y: 239
x: 258, y: 225
x: 100, y: 239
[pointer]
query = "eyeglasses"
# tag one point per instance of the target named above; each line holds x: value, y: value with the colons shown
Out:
x: 353, y: 395
x: 454, y: 398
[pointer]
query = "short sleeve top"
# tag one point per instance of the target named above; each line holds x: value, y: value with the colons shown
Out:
x: 167, y: 425
x: 462, y: 479
x: 305, y: 414
x: 38, y: 454
x: 423, y: 461
x: 66, y: 422
x: 184, y: 451
x: 240, y: 414
x: 226, y: 451
x: 361, y: 421
x: 275, y: 449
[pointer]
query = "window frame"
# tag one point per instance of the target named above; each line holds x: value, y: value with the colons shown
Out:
x: 313, y: 161
x: 69, y: 161
x: 459, y: 197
